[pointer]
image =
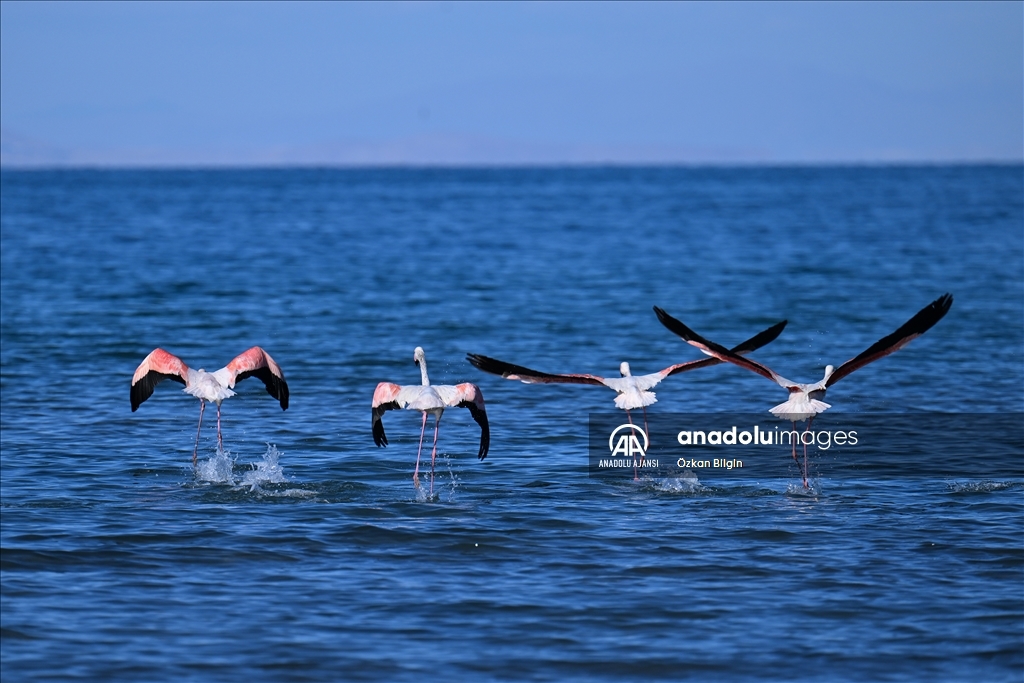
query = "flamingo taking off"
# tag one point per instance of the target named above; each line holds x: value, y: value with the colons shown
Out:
x: 633, y: 391
x: 430, y: 400
x: 208, y: 386
x: 805, y: 400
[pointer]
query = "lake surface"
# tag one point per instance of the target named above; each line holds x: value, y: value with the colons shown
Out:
x: 303, y: 552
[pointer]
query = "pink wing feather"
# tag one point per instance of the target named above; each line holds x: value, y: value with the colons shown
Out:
x: 384, y: 398
x: 155, y: 368
x: 257, y: 363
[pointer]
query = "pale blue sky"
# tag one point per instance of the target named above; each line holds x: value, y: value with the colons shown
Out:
x: 421, y: 83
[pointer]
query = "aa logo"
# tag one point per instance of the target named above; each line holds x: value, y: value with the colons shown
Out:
x: 628, y: 444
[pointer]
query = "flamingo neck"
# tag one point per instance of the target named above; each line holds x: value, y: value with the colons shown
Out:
x: 423, y: 372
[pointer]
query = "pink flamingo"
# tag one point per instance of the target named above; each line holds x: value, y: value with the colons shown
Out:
x: 805, y: 400
x: 430, y: 400
x: 208, y: 386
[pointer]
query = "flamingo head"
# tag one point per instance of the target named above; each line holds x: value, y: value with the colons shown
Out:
x: 418, y: 356
x: 828, y: 372
x: 624, y: 369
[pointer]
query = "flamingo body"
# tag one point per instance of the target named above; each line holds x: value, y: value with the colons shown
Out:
x: 207, y: 386
x: 429, y: 399
x: 632, y: 391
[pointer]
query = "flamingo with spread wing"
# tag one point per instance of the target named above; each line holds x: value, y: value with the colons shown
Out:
x: 208, y: 386
x: 429, y: 399
x: 805, y: 400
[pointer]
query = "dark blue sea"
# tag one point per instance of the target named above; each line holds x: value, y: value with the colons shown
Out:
x: 302, y: 552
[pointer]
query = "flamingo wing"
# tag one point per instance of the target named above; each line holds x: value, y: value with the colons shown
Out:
x: 155, y: 368
x: 468, y: 395
x: 510, y: 371
x: 717, y: 350
x: 385, y: 397
x: 753, y: 344
x: 257, y: 363
x: 922, y: 321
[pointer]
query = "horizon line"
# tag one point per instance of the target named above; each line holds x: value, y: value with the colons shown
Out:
x: 440, y: 165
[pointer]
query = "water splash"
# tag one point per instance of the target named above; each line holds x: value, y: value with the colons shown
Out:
x: 812, y: 490
x: 453, y: 481
x: 218, y: 469
x: 266, y: 471
x: 444, y: 488
x: 978, y: 486
x: 423, y: 494
x: 687, y: 482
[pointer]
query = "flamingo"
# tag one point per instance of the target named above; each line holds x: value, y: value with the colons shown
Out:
x: 208, y: 386
x: 429, y: 399
x: 805, y: 400
x: 632, y: 391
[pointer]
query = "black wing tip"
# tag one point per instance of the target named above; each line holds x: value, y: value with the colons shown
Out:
x: 283, y: 398
x: 143, y: 389
x: 941, y: 305
x: 762, y: 338
x: 929, y: 315
x: 479, y: 361
x: 491, y: 365
x: 379, y: 437
x: 485, y: 439
x: 772, y: 333
x: 480, y: 417
x: 676, y: 326
x: 276, y: 386
x: 485, y: 444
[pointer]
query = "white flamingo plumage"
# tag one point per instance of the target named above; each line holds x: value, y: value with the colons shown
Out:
x: 429, y: 399
x: 208, y: 386
x: 632, y: 391
x: 805, y: 400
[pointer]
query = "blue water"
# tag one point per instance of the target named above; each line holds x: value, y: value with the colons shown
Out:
x: 304, y: 552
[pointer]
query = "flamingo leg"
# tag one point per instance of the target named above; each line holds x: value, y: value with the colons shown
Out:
x: 647, y: 432
x: 795, y: 459
x: 433, y: 454
x: 220, y: 438
x: 195, y: 450
x: 635, y: 477
x: 809, y: 421
x: 416, y: 473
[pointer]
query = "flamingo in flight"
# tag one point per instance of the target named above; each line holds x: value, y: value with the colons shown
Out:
x: 805, y: 400
x: 633, y: 391
x: 429, y: 399
x: 208, y: 386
